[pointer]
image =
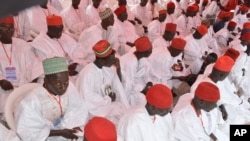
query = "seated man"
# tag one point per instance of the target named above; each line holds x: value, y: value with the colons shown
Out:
x: 151, y: 122
x: 53, y: 111
x: 100, y: 86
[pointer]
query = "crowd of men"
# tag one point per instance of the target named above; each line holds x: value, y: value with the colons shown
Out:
x: 133, y: 70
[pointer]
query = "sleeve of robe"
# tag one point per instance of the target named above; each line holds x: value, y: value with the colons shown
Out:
x: 29, y: 122
x: 7, y: 135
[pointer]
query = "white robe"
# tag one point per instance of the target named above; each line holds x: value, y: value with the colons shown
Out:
x: 142, y: 13
x: 7, y: 135
x: 92, y: 15
x: 28, y: 67
x: 138, y: 125
x: 155, y: 29
x: 46, y: 47
x: 190, y: 127
x: 193, y: 52
x: 93, y: 84
x: 160, y: 42
x: 37, y: 16
x: 75, y: 20
x: 37, y: 113
x: 185, y: 25
x: 135, y: 75
x: 22, y: 26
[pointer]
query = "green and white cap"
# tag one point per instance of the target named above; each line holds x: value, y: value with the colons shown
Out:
x: 55, y: 65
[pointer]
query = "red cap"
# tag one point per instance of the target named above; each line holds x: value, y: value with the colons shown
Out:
x: 192, y: 8
x: 54, y: 20
x: 234, y: 54
x: 120, y: 9
x: 207, y: 92
x: 170, y: 27
x: 246, y: 25
x: 7, y: 20
x: 244, y: 8
x: 170, y: 5
x: 102, y: 49
x: 245, y: 36
x: 164, y: 11
x: 178, y: 43
x: 160, y: 96
x: 142, y: 44
x: 202, y: 29
x: 232, y: 24
x: 224, y: 63
x: 100, y: 129
x: 225, y: 14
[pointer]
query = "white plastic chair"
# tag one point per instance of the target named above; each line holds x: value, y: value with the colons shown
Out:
x: 14, y: 99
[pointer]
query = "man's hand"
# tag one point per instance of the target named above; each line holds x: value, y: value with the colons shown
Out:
x: 224, y: 112
x: 213, y: 137
x: 69, y: 134
x: 6, y: 85
x: 138, y: 21
x: 145, y: 89
x: 130, y: 44
x: 112, y: 95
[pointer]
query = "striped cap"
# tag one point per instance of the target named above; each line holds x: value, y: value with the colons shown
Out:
x: 102, y: 49
x: 105, y: 13
x: 55, y: 65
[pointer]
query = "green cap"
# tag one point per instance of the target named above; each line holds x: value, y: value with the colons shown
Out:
x: 54, y: 65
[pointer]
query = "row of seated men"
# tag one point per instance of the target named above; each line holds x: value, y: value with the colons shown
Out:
x: 136, y: 84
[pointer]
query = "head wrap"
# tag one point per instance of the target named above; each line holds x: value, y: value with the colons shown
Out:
x: 178, y: 43
x: 245, y: 37
x: 120, y: 9
x: 105, y: 13
x: 100, y: 129
x: 7, y: 20
x: 159, y: 96
x: 164, y: 11
x: 244, y: 8
x: 102, y: 49
x: 142, y: 44
x: 170, y: 27
x: 54, y: 65
x: 232, y: 24
x: 207, y: 92
x: 234, y: 54
x: 224, y: 63
x: 202, y: 29
x: 246, y: 25
x: 170, y: 5
x: 54, y: 20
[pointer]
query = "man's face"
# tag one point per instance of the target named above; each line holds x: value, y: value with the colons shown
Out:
x: 143, y: 2
x: 96, y: 3
x: 123, y: 16
x: 7, y: 30
x: 168, y: 35
x: 170, y: 10
x: 57, y: 83
x: 162, y: 17
x: 162, y: 112
x: 76, y: 2
x: 55, y: 31
x: 207, y: 106
x: 109, y: 60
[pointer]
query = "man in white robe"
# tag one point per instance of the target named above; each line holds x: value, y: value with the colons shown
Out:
x: 53, y: 111
x: 196, y: 48
x: 55, y: 43
x: 164, y: 62
x: 151, y: 122
x: 166, y: 38
x: 196, y: 116
x: 37, y: 17
x: 185, y: 22
x: 125, y: 30
x: 171, y: 17
x: 18, y: 63
x: 156, y: 27
x: 99, y: 84
x: 135, y: 69
x: 154, y: 7
x: 240, y: 18
x: 74, y: 18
